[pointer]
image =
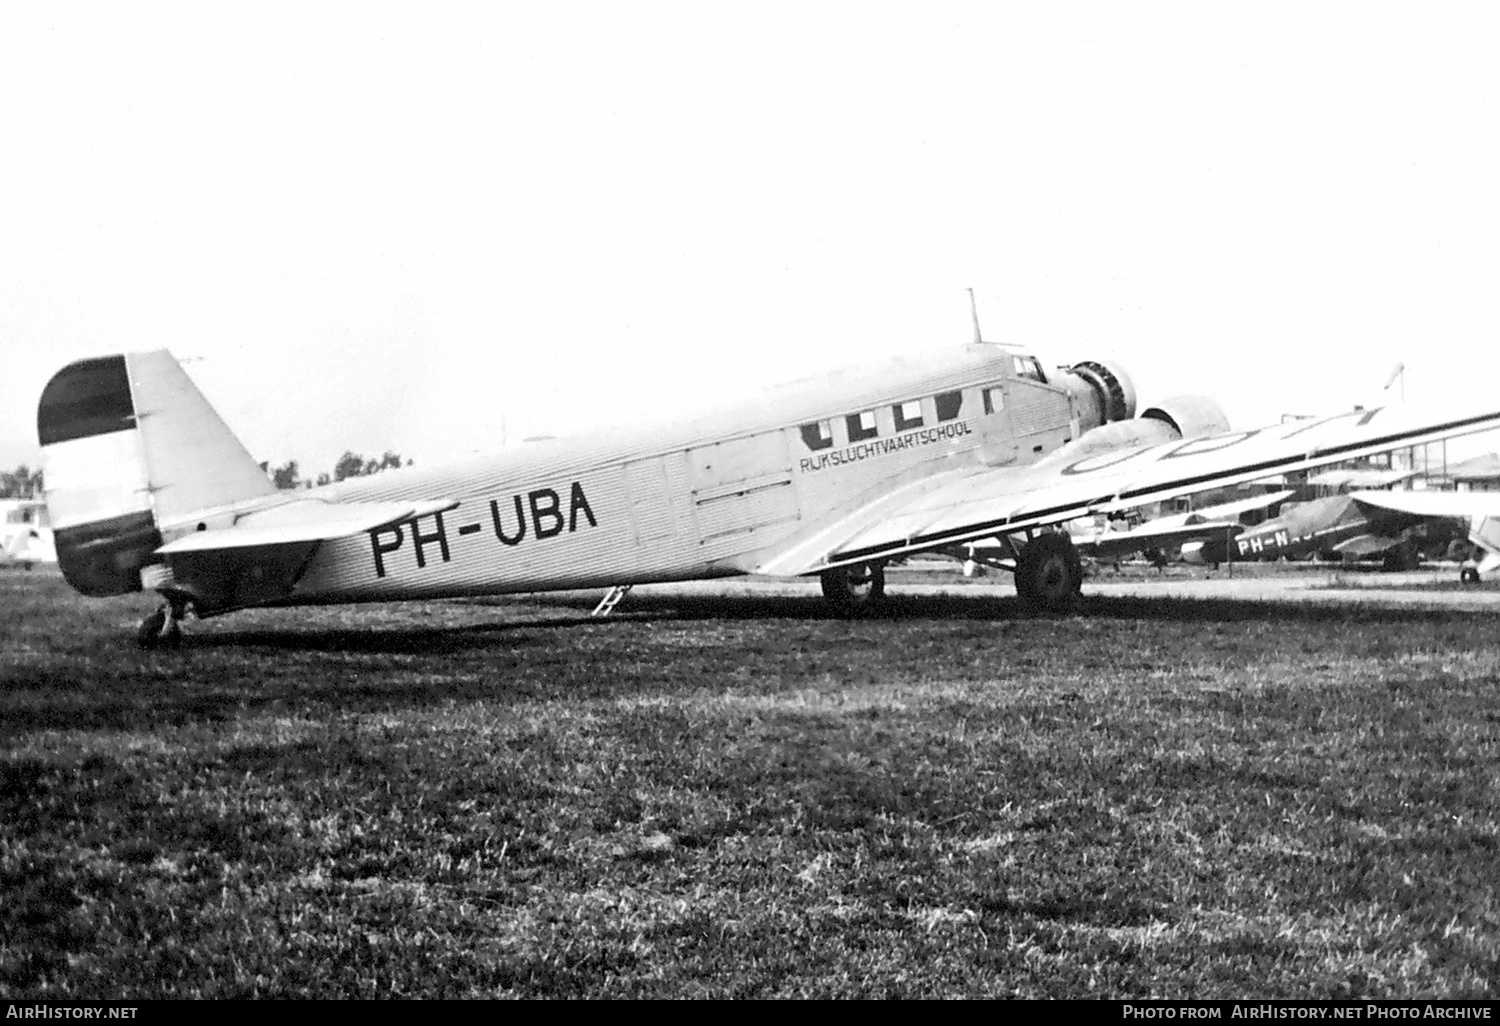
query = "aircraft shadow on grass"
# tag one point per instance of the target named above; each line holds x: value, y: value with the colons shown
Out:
x: 798, y: 615
x: 153, y: 692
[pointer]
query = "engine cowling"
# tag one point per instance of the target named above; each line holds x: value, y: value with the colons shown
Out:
x: 1191, y: 416
x: 1181, y: 417
x: 1112, y: 387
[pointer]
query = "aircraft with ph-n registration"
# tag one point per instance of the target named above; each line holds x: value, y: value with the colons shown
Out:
x: 149, y: 490
x: 1360, y: 525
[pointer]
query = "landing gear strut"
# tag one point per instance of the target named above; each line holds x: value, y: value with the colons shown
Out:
x: 1402, y: 557
x: 1049, y: 574
x: 848, y: 588
x: 163, y: 628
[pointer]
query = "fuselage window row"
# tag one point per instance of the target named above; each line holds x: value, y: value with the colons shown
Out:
x: 906, y: 416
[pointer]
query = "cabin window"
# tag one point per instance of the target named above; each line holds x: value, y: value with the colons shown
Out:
x: 994, y: 399
x: 949, y: 405
x: 908, y: 415
x: 1027, y: 367
x: 818, y: 435
x: 862, y: 426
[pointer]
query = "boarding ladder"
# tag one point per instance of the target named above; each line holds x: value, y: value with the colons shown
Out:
x: 610, y: 600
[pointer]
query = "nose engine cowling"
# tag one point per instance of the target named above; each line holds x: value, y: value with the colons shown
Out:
x: 1113, y: 391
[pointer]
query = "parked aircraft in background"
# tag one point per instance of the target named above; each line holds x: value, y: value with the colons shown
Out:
x: 1358, y: 525
x: 1337, y: 525
x: 149, y: 490
x: 1152, y: 538
x: 1479, y: 510
x: 25, y: 537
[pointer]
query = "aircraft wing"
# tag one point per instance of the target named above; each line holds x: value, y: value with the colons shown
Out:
x: 306, y: 520
x: 1231, y: 510
x: 1365, y: 545
x: 1355, y: 479
x: 981, y: 502
x: 1209, y: 522
x: 1121, y: 543
x: 1463, y: 505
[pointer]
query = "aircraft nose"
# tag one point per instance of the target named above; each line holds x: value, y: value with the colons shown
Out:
x: 1113, y: 386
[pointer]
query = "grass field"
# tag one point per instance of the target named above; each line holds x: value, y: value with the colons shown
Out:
x: 746, y: 796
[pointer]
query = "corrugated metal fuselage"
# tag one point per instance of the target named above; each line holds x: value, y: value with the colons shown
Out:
x: 695, y: 501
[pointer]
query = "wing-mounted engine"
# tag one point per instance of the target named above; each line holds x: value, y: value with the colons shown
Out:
x: 1181, y: 417
x: 1191, y: 416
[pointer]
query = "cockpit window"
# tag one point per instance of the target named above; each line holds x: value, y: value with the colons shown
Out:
x: 908, y: 415
x: 862, y: 426
x: 949, y: 404
x: 818, y: 435
x: 1028, y: 367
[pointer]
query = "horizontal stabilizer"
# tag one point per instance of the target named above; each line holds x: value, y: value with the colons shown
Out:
x: 305, y: 520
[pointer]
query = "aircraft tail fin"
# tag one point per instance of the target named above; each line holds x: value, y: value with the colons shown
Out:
x: 132, y: 450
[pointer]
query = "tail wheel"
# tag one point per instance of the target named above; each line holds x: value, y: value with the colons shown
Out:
x: 1049, y: 574
x: 163, y: 628
x: 150, y: 633
x: 854, y: 587
x: 1469, y: 575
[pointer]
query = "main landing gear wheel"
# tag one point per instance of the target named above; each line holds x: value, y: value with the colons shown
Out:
x: 848, y: 588
x: 162, y: 629
x: 1049, y: 574
x: 1469, y: 575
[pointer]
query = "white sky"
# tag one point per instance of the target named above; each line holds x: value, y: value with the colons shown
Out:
x: 415, y: 226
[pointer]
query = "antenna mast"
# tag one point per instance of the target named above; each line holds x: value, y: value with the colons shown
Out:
x: 974, y: 312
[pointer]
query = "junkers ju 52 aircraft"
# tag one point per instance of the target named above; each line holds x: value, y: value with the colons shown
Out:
x: 149, y: 490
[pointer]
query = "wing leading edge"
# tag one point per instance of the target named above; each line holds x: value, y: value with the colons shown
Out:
x: 981, y: 502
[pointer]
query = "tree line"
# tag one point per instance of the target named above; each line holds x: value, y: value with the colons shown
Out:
x: 351, y: 464
x: 25, y: 483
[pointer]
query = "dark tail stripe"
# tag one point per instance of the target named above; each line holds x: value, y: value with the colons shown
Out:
x: 87, y: 398
x: 105, y: 557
